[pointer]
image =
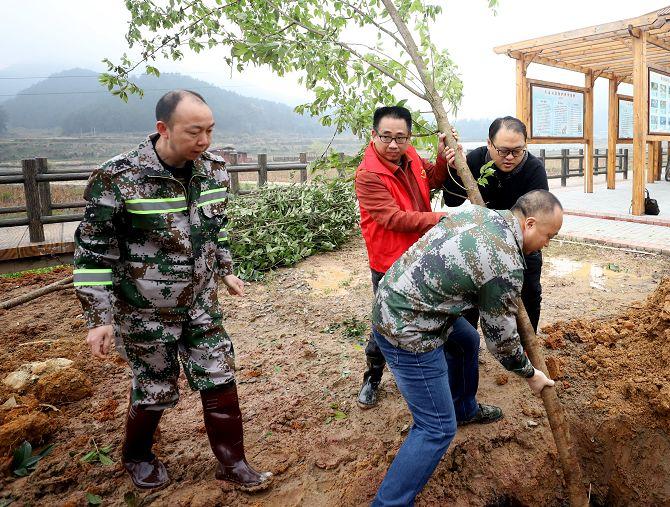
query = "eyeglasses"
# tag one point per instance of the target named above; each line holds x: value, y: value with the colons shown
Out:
x: 504, y: 152
x: 397, y: 139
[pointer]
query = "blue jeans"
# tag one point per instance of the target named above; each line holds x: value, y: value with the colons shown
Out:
x: 462, y: 352
x: 424, y: 382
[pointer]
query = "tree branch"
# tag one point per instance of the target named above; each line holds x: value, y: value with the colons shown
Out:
x: 344, y: 45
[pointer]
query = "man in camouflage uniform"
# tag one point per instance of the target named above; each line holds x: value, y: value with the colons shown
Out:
x: 470, y: 259
x: 149, y: 252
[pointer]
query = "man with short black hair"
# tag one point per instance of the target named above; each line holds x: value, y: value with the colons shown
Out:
x: 472, y: 258
x: 149, y: 252
x: 393, y: 186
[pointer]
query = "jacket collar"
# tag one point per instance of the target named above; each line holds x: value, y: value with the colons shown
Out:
x: 151, y: 166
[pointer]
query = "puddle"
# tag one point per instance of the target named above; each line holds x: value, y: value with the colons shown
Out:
x: 331, y: 281
x: 595, y: 274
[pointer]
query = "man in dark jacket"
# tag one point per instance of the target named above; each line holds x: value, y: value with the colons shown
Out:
x: 515, y: 173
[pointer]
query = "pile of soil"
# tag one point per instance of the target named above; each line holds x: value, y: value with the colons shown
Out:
x: 299, y: 339
x: 619, y: 373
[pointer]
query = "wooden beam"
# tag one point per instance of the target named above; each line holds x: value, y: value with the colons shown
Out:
x: 612, y: 133
x: 659, y: 159
x: 576, y: 68
x: 659, y: 43
x: 551, y: 84
x: 602, y: 30
x: 640, y: 97
x: 521, y: 91
x: 588, y: 132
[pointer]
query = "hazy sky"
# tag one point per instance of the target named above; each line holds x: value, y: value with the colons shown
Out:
x: 63, y: 34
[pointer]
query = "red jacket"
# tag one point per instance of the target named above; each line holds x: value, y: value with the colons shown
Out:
x: 392, y: 227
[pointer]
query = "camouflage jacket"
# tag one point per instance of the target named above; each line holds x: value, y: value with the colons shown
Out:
x: 469, y: 259
x: 147, y: 242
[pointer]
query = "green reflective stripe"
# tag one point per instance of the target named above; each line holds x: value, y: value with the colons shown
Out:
x: 90, y: 284
x: 214, y: 195
x: 92, y: 277
x: 165, y: 199
x: 156, y: 212
x: 147, y: 206
x: 211, y: 191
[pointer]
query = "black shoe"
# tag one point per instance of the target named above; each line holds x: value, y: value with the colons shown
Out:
x: 367, y: 397
x: 485, y: 414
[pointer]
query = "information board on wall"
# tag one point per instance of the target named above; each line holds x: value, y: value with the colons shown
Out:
x: 556, y: 112
x: 659, y: 102
x: 625, y: 118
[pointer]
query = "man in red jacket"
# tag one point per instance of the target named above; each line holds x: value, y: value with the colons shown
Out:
x: 393, y: 186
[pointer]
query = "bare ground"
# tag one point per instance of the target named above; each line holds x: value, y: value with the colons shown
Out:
x: 299, y: 368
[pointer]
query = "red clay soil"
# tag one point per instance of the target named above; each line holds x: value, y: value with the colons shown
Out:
x: 300, y: 363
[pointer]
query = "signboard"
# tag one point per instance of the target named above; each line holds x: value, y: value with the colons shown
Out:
x: 659, y: 102
x: 556, y: 112
x: 625, y: 128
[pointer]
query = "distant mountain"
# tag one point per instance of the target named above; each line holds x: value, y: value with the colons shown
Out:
x: 73, y: 101
x: 15, y: 78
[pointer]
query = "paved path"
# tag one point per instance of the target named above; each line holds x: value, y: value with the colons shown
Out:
x: 603, y: 216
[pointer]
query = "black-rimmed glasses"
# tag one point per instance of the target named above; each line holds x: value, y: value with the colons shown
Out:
x: 389, y: 139
x: 504, y: 152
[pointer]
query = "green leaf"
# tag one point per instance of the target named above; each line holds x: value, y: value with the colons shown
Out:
x: 90, y: 457
x: 339, y: 415
x: 105, y: 460
x: 93, y: 499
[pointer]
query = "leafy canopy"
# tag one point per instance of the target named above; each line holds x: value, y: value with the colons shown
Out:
x: 348, y: 53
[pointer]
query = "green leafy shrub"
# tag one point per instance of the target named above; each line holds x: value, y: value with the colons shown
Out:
x: 279, y: 226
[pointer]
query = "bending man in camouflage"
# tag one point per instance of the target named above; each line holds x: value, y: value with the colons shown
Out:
x: 149, y: 251
x: 473, y: 258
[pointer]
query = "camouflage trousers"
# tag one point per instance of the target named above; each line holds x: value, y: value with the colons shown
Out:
x: 154, y: 347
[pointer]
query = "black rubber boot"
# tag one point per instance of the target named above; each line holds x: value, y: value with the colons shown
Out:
x: 367, y: 396
x: 145, y: 470
x: 223, y: 422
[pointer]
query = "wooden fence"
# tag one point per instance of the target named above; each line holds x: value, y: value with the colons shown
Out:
x: 36, y: 178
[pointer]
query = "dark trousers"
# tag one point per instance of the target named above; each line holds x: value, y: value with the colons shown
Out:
x: 372, y: 352
x: 531, y: 292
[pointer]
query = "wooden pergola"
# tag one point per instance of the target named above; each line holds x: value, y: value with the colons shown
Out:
x: 621, y: 51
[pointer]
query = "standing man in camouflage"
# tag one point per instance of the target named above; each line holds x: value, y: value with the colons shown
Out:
x: 148, y: 255
x: 470, y: 259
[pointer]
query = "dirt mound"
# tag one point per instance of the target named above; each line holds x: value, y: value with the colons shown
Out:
x: 298, y: 380
x: 63, y: 386
x: 620, y: 371
x: 33, y: 427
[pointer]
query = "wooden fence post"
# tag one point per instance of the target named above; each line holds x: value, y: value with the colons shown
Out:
x: 543, y: 156
x: 340, y: 169
x: 35, y: 227
x: 625, y: 164
x: 565, y: 166
x: 262, y: 169
x: 44, y: 188
x: 580, y: 162
x: 234, y: 177
x: 303, y: 172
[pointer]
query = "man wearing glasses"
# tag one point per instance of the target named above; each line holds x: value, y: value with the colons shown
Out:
x: 393, y: 186
x: 516, y: 172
